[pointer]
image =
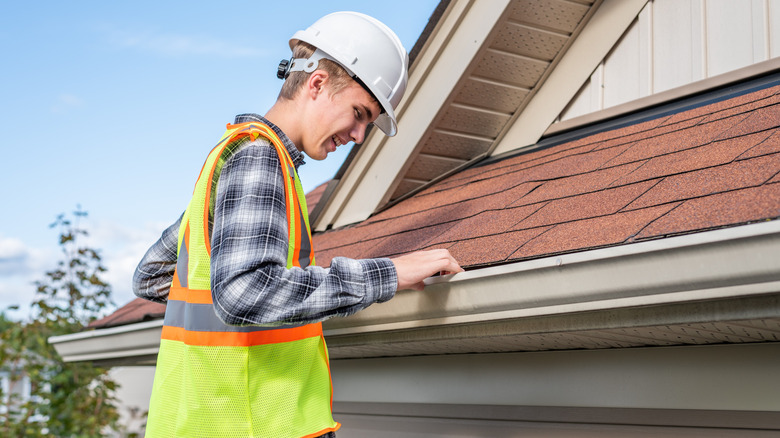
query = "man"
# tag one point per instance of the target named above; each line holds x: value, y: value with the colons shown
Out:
x: 242, y: 352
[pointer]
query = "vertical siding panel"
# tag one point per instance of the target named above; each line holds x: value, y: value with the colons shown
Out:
x: 580, y: 105
x: 645, y: 24
x: 774, y: 28
x: 597, y: 88
x: 729, y: 36
x: 759, y: 21
x: 672, y: 44
x: 621, y: 70
x: 698, y: 40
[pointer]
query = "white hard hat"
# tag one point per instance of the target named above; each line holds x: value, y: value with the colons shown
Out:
x: 368, y: 50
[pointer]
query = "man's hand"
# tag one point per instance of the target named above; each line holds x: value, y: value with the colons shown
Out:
x: 415, y: 267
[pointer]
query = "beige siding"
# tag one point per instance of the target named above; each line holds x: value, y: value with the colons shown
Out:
x: 673, y: 43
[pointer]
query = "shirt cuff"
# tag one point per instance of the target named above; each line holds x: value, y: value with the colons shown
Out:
x: 381, y: 279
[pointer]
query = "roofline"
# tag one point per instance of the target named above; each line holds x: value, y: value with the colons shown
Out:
x: 131, y: 344
x: 724, y: 266
x: 726, y: 263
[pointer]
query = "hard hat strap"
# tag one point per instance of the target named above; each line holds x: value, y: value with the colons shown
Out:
x: 311, y: 63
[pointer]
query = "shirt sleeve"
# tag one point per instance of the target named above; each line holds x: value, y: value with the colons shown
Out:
x: 154, y: 274
x: 250, y: 282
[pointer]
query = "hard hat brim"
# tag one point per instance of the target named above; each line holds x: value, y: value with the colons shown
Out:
x: 387, y: 124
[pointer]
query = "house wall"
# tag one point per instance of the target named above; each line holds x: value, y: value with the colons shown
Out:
x: 677, y: 42
x: 135, y: 389
x: 13, y: 385
x: 721, y: 384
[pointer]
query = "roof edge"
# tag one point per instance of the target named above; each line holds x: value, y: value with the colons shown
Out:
x: 715, y: 265
x: 130, y: 344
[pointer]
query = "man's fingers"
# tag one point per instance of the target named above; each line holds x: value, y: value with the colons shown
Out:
x: 413, y: 268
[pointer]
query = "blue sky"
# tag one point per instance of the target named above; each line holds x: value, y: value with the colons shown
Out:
x: 113, y: 106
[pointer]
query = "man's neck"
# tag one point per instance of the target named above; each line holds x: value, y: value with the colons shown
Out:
x: 286, y: 116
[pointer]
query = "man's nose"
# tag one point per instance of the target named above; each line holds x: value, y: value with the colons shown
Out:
x: 358, y: 132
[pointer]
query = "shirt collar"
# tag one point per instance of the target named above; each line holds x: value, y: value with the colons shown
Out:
x: 295, y: 154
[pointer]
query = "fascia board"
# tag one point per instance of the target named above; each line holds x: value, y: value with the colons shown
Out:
x: 608, y: 24
x: 729, y: 263
x: 452, y: 47
x: 124, y: 342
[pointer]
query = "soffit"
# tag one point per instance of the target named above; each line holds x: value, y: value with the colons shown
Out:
x: 514, y: 61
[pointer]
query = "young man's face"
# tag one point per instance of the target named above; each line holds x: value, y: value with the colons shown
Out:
x: 338, y: 119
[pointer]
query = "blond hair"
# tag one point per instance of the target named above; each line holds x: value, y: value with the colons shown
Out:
x: 338, y: 77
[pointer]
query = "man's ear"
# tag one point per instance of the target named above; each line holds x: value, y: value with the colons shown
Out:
x: 316, y: 83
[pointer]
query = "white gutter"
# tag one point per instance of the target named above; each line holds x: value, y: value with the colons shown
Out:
x: 728, y: 263
x: 127, y: 342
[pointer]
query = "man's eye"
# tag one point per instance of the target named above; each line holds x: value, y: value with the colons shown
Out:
x: 357, y: 113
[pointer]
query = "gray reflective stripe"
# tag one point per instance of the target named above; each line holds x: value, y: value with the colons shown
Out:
x: 304, y: 255
x: 182, y: 264
x: 201, y: 318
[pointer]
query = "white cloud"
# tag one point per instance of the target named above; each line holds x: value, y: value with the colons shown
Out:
x: 20, y: 266
x: 17, y: 259
x: 66, y: 102
x: 179, y: 45
x: 120, y: 248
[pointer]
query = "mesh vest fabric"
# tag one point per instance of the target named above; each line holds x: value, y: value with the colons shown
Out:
x: 215, y: 380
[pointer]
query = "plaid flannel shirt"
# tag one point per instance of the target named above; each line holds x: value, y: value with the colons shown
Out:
x: 250, y: 283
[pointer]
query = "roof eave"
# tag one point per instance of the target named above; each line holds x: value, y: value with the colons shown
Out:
x: 132, y: 344
x: 712, y: 277
x: 715, y: 277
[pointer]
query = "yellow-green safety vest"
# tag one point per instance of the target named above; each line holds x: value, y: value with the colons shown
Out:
x: 216, y: 380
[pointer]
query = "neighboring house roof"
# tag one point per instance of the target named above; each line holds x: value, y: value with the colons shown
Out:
x: 137, y: 310
x: 709, y: 167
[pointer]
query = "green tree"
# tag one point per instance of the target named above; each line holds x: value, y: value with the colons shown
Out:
x: 66, y: 399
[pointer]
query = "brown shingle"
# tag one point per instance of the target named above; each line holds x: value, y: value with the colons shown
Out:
x: 489, y: 222
x: 356, y: 250
x: 769, y: 146
x: 713, y: 154
x: 494, y: 249
x: 579, y: 184
x: 592, y: 233
x: 601, y: 203
x: 719, y: 210
x: 736, y: 175
x: 675, y: 141
x: 760, y: 119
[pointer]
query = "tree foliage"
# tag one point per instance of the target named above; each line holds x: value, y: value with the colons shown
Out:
x: 66, y: 399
